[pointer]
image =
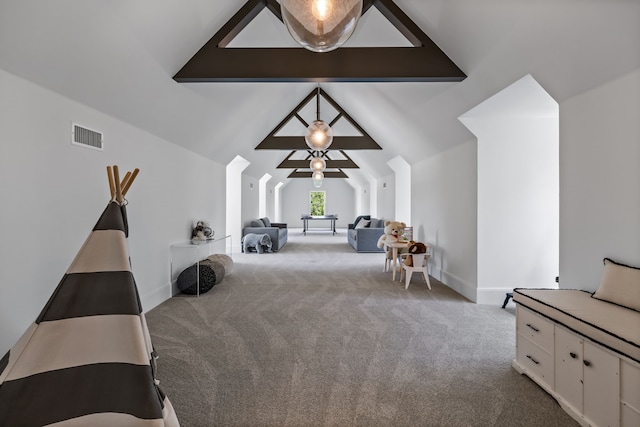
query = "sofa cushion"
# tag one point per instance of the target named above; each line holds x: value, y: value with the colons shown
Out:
x: 620, y: 285
x: 266, y: 221
x: 257, y: 223
x: 376, y: 223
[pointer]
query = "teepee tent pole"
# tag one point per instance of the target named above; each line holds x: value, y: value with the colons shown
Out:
x: 128, y: 180
x: 112, y: 187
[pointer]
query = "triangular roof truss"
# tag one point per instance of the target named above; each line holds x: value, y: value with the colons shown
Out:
x: 424, y: 62
x: 362, y: 141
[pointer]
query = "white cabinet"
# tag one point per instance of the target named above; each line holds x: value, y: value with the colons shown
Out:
x: 587, y: 377
x: 595, y: 385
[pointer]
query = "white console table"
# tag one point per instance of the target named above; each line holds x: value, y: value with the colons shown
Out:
x: 185, y: 254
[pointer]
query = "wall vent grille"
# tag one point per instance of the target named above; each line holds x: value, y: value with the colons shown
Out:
x: 86, y: 137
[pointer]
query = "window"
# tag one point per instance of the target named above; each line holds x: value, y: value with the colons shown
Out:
x: 317, y: 201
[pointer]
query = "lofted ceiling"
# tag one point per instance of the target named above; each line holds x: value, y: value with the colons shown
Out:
x: 120, y: 56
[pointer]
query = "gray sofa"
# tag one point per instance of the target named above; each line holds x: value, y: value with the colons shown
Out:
x: 364, y: 236
x: 276, y: 230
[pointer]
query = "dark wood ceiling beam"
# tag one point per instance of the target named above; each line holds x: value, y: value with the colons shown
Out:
x: 307, y: 174
x: 363, y: 64
x: 331, y: 164
x: 298, y: 143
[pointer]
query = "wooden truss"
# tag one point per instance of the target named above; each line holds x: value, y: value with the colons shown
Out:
x: 424, y: 62
x: 273, y: 141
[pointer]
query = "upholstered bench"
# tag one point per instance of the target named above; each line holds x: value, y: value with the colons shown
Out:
x: 583, y: 348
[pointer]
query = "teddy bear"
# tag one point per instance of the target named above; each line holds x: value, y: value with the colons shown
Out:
x: 392, y: 231
x: 202, y: 231
x: 414, y: 248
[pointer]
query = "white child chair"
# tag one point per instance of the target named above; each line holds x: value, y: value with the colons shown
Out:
x: 419, y: 265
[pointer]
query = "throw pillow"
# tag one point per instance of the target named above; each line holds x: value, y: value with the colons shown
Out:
x: 257, y: 223
x: 377, y: 223
x: 267, y: 222
x: 620, y: 285
x: 364, y: 223
x: 359, y: 218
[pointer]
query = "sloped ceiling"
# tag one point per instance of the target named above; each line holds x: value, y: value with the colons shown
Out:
x: 120, y: 56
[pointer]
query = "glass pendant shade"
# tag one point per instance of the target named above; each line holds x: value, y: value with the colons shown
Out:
x: 318, y: 164
x: 321, y: 25
x: 319, y: 135
x: 317, y: 178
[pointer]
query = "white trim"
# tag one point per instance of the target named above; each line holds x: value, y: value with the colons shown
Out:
x: 156, y: 297
x: 467, y: 290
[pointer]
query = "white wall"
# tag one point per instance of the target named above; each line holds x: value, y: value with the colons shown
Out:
x: 444, y: 215
x: 250, y: 199
x: 53, y: 193
x: 270, y: 193
x: 517, y: 204
x: 386, y: 198
x: 339, y: 199
x: 233, y: 201
x: 599, y: 181
x: 402, y: 171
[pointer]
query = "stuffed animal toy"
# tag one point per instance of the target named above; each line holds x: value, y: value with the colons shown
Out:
x: 392, y: 231
x: 414, y: 248
x: 202, y: 231
x: 260, y: 242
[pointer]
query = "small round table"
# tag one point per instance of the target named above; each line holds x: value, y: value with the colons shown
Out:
x: 394, y: 252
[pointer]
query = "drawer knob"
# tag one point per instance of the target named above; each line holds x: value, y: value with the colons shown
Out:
x: 573, y: 355
x: 533, y: 360
x: 586, y: 363
x: 533, y: 327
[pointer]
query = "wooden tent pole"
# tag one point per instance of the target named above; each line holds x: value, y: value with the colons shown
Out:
x: 116, y: 178
x: 129, y: 181
x: 112, y: 188
x: 125, y: 179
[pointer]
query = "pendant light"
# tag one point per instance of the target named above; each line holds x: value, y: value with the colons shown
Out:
x: 319, y: 135
x: 321, y: 25
x: 317, y: 164
x: 317, y: 178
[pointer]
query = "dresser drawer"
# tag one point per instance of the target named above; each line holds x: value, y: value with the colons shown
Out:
x: 535, y: 360
x: 535, y: 328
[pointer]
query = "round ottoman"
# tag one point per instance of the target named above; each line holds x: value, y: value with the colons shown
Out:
x: 225, y: 260
x: 217, y: 268
x: 188, y: 279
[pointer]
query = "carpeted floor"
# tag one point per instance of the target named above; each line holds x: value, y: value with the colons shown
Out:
x: 318, y: 335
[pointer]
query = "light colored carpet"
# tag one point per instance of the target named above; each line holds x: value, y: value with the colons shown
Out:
x: 318, y: 335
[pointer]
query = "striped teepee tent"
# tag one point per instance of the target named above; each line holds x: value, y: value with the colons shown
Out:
x: 87, y: 360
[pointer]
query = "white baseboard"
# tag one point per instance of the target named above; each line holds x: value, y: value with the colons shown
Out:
x: 467, y: 290
x: 492, y: 296
x: 156, y: 297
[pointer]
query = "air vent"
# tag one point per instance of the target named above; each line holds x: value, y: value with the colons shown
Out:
x: 86, y: 137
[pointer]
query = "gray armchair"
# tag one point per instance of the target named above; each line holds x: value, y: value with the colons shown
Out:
x: 276, y: 230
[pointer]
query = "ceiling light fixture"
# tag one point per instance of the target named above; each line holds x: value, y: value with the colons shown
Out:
x: 317, y: 178
x: 317, y: 164
x: 321, y: 25
x: 319, y: 135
